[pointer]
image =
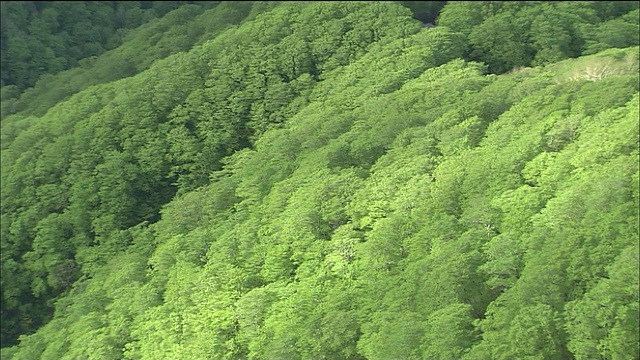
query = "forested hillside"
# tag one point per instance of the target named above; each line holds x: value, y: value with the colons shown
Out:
x: 322, y: 180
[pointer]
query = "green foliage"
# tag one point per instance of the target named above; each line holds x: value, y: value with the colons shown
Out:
x: 602, y: 323
x: 615, y: 33
x: 509, y: 35
x: 130, y: 52
x: 449, y: 334
x: 46, y: 38
x: 309, y: 180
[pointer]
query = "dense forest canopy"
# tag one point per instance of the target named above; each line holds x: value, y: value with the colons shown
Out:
x: 320, y: 180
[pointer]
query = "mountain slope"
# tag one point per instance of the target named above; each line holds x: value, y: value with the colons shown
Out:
x: 329, y: 180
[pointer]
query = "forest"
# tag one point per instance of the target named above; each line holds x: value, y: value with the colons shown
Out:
x: 362, y: 180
